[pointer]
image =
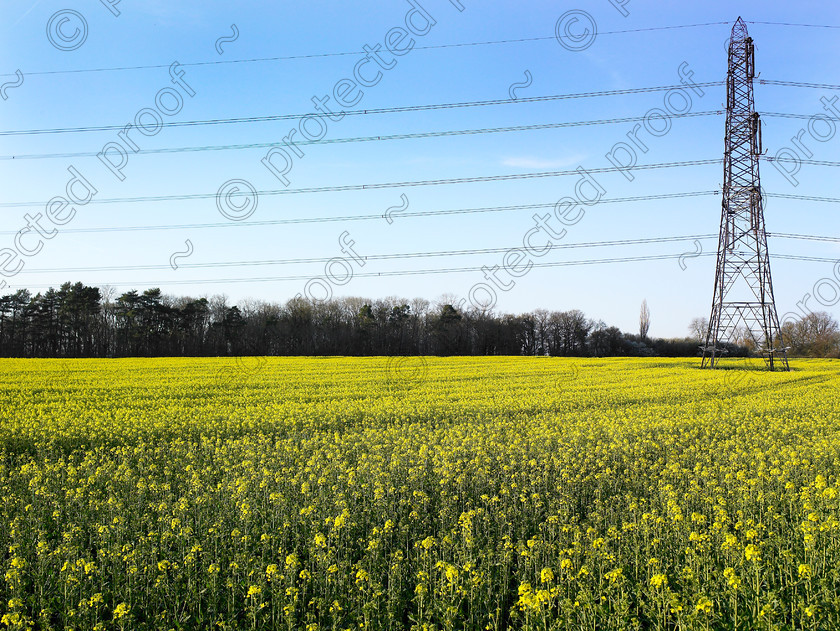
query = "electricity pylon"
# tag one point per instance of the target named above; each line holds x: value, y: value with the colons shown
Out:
x: 743, y: 298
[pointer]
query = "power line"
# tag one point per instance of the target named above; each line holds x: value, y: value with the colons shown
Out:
x: 812, y: 259
x: 798, y: 84
x: 785, y: 115
x: 820, y: 163
x: 426, y: 213
x: 807, y: 237
x: 418, y: 135
x: 520, y: 40
x: 220, y: 62
x: 792, y: 24
x: 342, y: 218
x: 373, y: 257
x: 411, y: 255
x: 430, y: 134
x: 367, y: 112
x: 807, y: 198
x: 419, y: 108
x: 448, y: 270
x: 385, y: 185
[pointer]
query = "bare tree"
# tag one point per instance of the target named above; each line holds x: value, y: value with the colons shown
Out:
x: 815, y: 335
x: 644, y: 320
x: 744, y: 337
x: 446, y: 298
x: 569, y: 331
x: 698, y: 328
x: 541, y: 317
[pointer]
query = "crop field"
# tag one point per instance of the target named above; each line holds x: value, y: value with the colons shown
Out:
x: 411, y: 493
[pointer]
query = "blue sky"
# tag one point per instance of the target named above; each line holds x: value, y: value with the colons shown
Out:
x: 319, y: 44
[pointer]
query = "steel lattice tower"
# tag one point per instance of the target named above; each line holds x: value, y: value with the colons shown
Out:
x: 743, y: 296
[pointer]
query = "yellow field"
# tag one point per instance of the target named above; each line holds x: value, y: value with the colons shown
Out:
x: 456, y: 493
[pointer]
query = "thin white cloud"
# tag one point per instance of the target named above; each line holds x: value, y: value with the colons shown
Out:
x: 542, y: 163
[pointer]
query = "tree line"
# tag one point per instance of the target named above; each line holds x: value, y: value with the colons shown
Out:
x: 76, y: 320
